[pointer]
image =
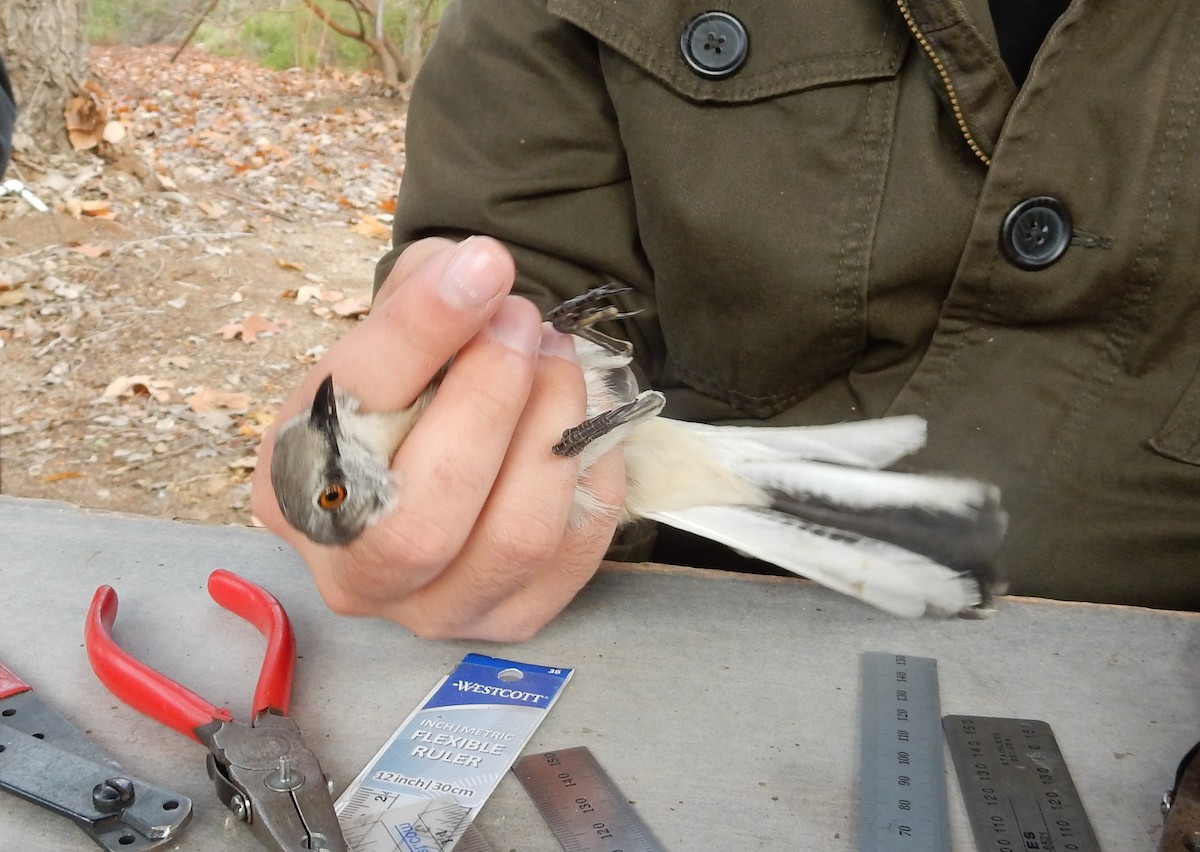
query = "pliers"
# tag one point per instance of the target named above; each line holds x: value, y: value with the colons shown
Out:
x: 263, y: 771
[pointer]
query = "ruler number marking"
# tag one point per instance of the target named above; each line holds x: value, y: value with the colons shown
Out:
x: 903, y: 802
x: 581, y: 803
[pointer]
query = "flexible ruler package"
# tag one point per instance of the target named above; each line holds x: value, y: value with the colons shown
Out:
x: 422, y: 789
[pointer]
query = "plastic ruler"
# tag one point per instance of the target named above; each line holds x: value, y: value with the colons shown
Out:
x: 581, y: 804
x: 903, y: 772
x: 1018, y: 792
x: 434, y: 825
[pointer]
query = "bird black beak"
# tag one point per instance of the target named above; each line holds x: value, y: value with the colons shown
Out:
x: 324, y: 410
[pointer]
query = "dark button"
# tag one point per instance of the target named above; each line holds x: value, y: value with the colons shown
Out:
x: 1036, y: 232
x: 714, y: 44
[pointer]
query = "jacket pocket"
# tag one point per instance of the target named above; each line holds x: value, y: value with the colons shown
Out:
x: 756, y: 194
x: 791, y: 46
x: 1179, y: 437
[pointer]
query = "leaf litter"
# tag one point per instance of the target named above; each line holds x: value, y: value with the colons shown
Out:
x: 215, y: 232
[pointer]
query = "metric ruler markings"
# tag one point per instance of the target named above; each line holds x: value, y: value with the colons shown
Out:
x: 418, y: 826
x: 581, y: 804
x: 1018, y: 792
x: 902, y: 771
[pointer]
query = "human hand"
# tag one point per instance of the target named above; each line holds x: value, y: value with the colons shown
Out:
x: 480, y: 544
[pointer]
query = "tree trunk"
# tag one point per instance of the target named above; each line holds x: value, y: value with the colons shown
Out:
x: 43, y: 45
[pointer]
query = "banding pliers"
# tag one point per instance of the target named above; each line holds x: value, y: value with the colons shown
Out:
x: 263, y: 771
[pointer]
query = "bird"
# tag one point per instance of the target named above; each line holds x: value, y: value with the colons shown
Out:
x: 817, y: 501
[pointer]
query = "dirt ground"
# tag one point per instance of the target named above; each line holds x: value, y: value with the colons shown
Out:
x: 185, y: 277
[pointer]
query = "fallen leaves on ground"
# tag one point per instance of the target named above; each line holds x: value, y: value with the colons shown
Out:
x: 204, y: 188
x: 248, y: 328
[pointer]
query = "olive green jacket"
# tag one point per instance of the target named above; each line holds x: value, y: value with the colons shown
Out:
x: 821, y: 236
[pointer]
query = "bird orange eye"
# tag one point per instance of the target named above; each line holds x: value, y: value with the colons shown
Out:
x: 332, y: 496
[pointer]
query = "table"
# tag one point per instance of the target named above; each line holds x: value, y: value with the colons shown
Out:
x: 724, y: 705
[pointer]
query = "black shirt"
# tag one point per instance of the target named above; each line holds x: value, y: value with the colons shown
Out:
x: 1021, y: 26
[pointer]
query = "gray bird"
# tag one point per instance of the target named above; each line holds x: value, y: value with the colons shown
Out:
x: 814, y: 500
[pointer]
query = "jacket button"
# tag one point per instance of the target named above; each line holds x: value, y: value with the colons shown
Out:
x: 714, y: 44
x: 1036, y: 232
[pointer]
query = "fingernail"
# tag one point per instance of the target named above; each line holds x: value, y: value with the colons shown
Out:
x: 560, y: 345
x: 473, y: 277
x: 516, y: 326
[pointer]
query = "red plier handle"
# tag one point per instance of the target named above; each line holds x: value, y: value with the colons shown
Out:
x: 10, y: 684
x: 161, y: 698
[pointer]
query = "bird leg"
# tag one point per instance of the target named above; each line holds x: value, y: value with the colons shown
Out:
x: 578, y: 315
x: 575, y: 440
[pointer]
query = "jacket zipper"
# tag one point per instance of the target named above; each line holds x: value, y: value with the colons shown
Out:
x: 940, y: 67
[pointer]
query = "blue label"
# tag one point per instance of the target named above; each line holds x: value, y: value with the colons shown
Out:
x: 487, y: 680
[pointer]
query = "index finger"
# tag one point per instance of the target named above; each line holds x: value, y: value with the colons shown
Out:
x: 439, y: 295
x: 429, y: 313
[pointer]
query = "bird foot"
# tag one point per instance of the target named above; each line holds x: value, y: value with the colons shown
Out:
x: 578, y: 316
x: 575, y: 440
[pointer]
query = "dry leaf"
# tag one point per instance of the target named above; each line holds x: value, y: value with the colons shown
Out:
x: 96, y: 208
x: 211, y: 209
x: 86, y: 119
x: 88, y: 250
x: 308, y: 293
x: 159, y: 389
x: 249, y: 328
x: 353, y: 306
x: 369, y: 226
x: 59, y: 477
x: 114, y: 132
x: 206, y: 399
x: 287, y: 264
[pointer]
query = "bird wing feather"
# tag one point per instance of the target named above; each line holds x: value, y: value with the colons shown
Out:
x: 883, y: 575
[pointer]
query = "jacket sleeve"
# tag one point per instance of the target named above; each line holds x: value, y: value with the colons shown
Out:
x: 8, y: 117
x: 511, y: 134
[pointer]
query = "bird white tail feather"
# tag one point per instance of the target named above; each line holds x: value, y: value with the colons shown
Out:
x: 861, y: 443
x: 856, y: 488
x: 883, y: 575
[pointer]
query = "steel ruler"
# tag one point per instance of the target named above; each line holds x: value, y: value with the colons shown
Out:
x: 581, y: 804
x: 1018, y: 792
x: 902, y: 770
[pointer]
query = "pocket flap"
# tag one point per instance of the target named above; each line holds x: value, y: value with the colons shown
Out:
x: 792, y: 46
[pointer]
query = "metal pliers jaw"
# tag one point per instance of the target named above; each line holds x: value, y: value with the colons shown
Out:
x: 273, y: 782
x: 263, y: 771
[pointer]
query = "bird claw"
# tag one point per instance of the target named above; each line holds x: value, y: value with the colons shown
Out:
x: 578, y: 316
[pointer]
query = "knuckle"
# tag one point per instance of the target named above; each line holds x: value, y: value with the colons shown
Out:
x: 496, y: 401
x: 422, y: 543
x: 515, y: 626
x: 342, y: 600
x: 533, y: 538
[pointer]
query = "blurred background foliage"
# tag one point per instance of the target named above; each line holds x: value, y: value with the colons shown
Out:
x: 278, y: 33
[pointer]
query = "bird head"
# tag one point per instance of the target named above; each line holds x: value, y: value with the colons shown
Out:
x: 328, y: 483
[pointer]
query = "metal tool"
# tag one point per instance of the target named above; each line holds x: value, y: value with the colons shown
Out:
x: 47, y: 760
x: 21, y: 190
x: 1018, y: 792
x: 581, y: 804
x: 263, y: 771
x: 1181, y: 807
x: 903, y: 774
